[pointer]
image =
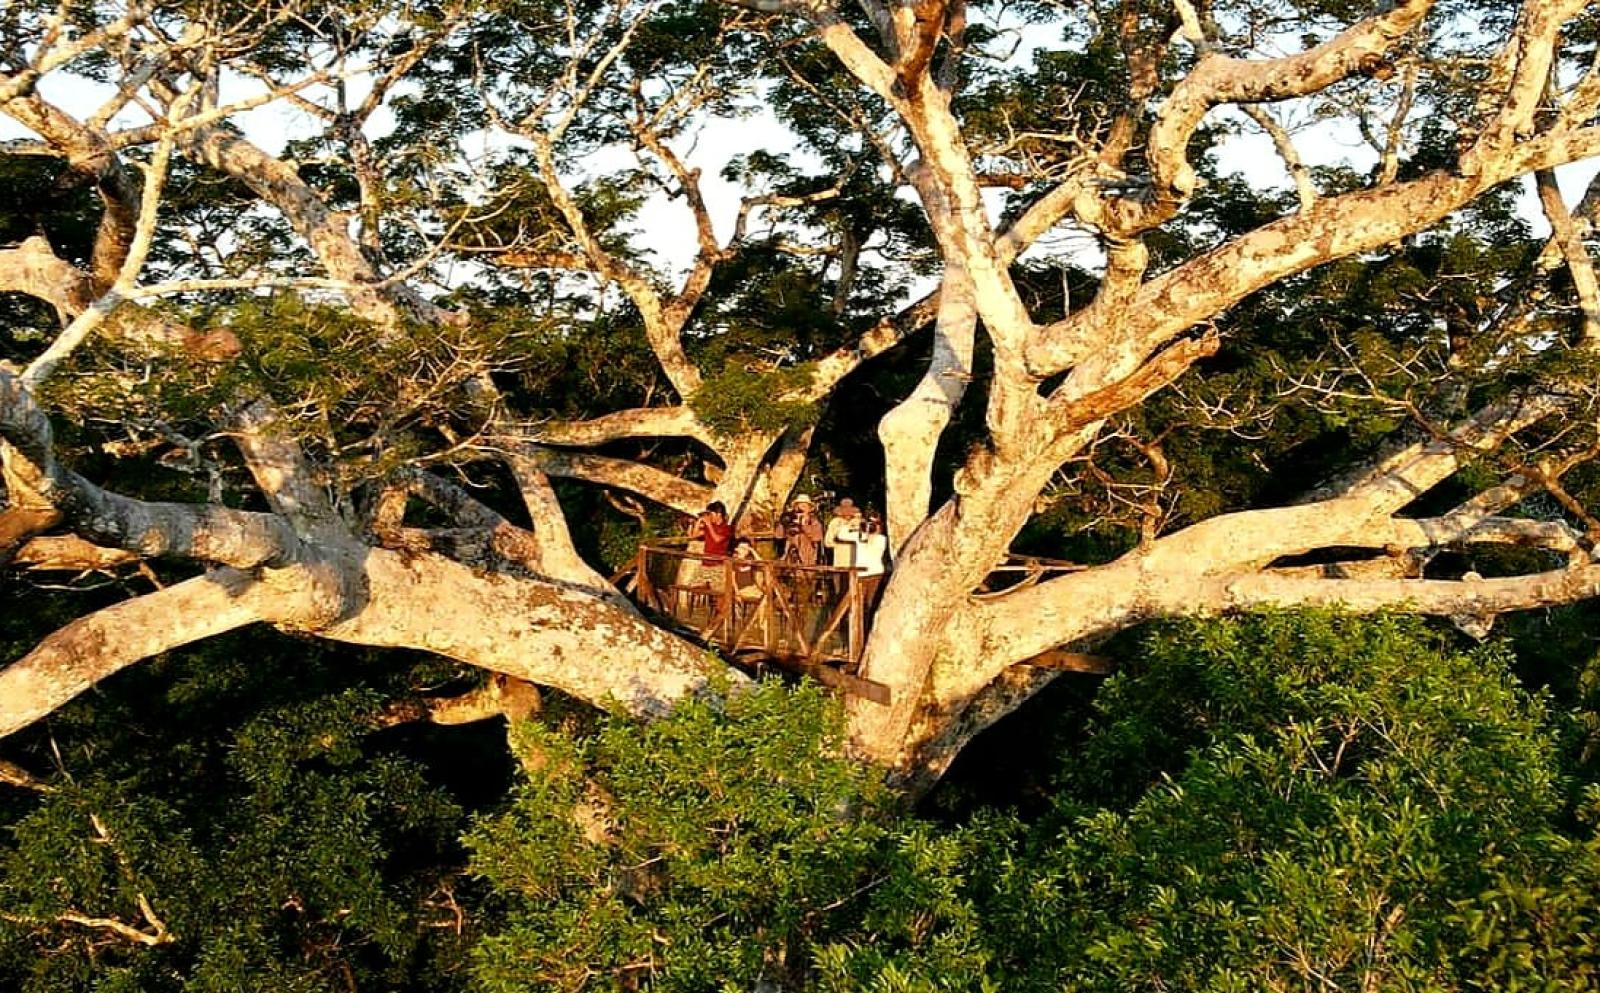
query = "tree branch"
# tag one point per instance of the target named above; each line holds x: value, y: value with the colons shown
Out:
x: 279, y: 467
x: 1218, y: 79
x: 882, y: 336
x: 642, y: 422
x: 1281, y: 140
x: 206, y: 532
x: 910, y: 432
x: 1336, y: 227
x: 95, y: 647
x: 1518, y: 79
x: 560, y: 556
x: 157, y: 935
x: 651, y: 483
x: 662, y: 328
x: 499, y: 696
x: 1569, y: 240
x: 15, y: 775
x: 549, y: 633
x: 70, y: 553
x: 34, y: 268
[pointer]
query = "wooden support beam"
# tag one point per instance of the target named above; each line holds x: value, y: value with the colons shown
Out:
x: 837, y: 679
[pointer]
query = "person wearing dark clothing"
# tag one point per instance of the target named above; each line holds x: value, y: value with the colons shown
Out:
x: 802, y: 532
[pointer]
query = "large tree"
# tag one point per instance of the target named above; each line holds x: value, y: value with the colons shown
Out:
x: 305, y: 384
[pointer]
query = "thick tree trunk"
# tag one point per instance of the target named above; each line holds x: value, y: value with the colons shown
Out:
x: 910, y: 432
x: 925, y: 623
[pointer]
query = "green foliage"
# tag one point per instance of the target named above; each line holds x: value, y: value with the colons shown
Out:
x: 577, y: 370
x: 743, y: 398
x: 1271, y: 803
x: 237, y: 794
x: 1295, y: 800
x: 364, y: 402
x: 709, y: 850
x: 1259, y: 803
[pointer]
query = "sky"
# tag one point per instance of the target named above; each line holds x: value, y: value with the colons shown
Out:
x: 666, y: 227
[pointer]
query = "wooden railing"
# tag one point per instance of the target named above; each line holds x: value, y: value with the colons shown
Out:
x: 809, y: 617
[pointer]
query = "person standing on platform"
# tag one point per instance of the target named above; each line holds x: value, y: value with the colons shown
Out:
x: 840, y: 541
x: 802, y: 532
x: 871, y: 557
x: 802, y: 541
x: 712, y: 527
x: 713, y: 532
x: 845, y: 520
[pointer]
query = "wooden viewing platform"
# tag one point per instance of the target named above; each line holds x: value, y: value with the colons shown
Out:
x: 761, y: 611
x: 811, y: 619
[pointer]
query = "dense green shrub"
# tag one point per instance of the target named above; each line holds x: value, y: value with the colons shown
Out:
x: 1304, y: 801
x: 709, y: 850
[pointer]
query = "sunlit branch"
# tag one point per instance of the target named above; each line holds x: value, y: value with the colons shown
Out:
x: 654, y: 484
x: 710, y: 254
x: 1219, y: 79
x: 1284, y: 143
x: 206, y: 532
x: 643, y: 422
x: 144, y: 232
x: 166, y: 129
x: 52, y: 56
x: 499, y: 696
x: 1580, y: 265
x: 92, y: 648
x: 1394, y: 139
x: 15, y: 775
x: 559, y: 555
x: 1518, y: 77
x: 69, y: 553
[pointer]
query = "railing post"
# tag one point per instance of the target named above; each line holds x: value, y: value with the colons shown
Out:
x: 728, y: 604
x: 858, y: 627
x: 641, y: 570
x: 769, y: 626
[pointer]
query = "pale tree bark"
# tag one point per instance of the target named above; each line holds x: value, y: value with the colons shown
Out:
x: 781, y: 476
x: 1226, y: 563
x: 499, y: 696
x: 33, y: 268
x: 521, y: 602
x: 558, y: 556
x: 910, y: 432
x: 539, y: 631
x: 930, y: 642
x: 302, y: 573
x: 96, y: 647
x: 302, y: 566
x: 68, y: 553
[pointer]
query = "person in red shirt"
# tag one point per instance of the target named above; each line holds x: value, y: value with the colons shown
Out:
x: 712, y: 527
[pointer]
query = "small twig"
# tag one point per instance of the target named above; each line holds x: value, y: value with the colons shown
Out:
x: 157, y: 935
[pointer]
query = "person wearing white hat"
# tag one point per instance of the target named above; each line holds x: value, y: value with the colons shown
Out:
x: 801, y: 532
x: 840, y: 536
